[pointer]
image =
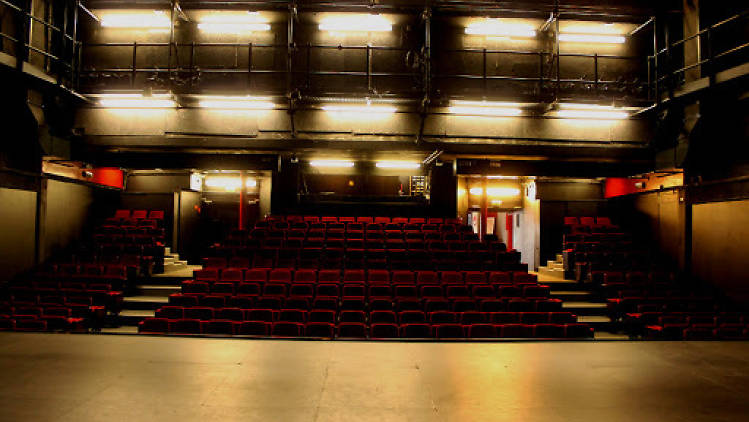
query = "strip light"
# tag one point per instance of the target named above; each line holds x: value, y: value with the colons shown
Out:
x: 136, y: 101
x: 498, y: 28
x: 590, y: 111
x: 588, y: 38
x: 355, y: 23
x: 232, y: 23
x: 155, y: 19
x: 485, y: 108
x: 236, y: 102
x: 495, y: 191
x: 331, y: 163
x: 228, y: 183
x: 397, y: 165
x: 363, y: 108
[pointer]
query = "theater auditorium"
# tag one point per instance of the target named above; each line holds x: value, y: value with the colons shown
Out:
x: 315, y: 210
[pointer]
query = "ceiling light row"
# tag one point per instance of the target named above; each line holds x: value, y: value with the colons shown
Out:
x: 597, y: 33
x: 468, y: 108
x: 399, y: 165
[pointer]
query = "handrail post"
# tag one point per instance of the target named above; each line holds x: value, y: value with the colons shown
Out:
x: 595, y: 72
x: 484, y: 70
x: 540, y: 72
x: 249, y: 67
x: 134, y: 67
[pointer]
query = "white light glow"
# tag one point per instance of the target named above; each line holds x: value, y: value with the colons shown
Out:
x: 355, y: 23
x: 362, y: 108
x: 236, y: 103
x: 496, y: 202
x: 590, y: 111
x: 151, y: 19
x: 485, y: 108
x: 503, y: 191
x: 228, y: 183
x: 592, y: 38
x: 495, y: 191
x: 331, y: 163
x: 136, y: 101
x: 498, y: 28
x: 232, y: 23
x: 592, y: 114
x: 397, y: 165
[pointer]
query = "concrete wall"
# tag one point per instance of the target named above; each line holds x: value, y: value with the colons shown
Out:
x: 720, y: 241
x: 17, y: 225
x: 528, y: 234
x: 68, y: 210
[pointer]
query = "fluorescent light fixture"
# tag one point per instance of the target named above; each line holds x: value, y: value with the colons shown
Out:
x: 397, y: 165
x: 485, y: 108
x: 499, y: 28
x: 592, y: 114
x: 136, y: 101
x: 236, y: 102
x: 590, y: 111
x: 359, y: 108
x: 476, y: 191
x: 503, y: 191
x: 592, y: 38
x: 150, y: 19
x: 232, y: 23
x: 331, y: 163
x: 355, y: 23
x: 228, y: 183
x: 496, y: 202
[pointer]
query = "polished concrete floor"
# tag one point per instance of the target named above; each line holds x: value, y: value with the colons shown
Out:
x: 58, y: 377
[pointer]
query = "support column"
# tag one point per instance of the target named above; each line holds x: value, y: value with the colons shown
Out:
x: 242, y: 198
x: 484, y: 208
x: 691, y: 24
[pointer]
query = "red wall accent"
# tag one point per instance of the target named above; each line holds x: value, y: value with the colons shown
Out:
x: 618, y: 186
x: 109, y: 176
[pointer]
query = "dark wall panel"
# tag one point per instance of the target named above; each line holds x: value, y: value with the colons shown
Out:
x: 69, y: 209
x: 720, y: 241
x: 17, y: 225
x: 189, y: 246
x: 158, y: 183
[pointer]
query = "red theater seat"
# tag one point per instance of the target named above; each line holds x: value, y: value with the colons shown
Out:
x: 352, y: 330
x: 254, y: 328
x: 319, y: 329
x: 153, y: 326
x: 415, y: 331
x: 287, y: 329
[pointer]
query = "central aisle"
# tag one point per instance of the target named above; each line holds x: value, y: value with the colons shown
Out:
x: 54, y: 377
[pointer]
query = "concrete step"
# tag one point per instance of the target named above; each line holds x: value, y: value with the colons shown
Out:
x: 158, y: 290
x: 598, y: 322
x: 124, y: 329
x: 130, y: 317
x: 144, y: 302
x: 571, y: 295
x: 560, y: 257
x: 585, y: 308
x: 605, y: 335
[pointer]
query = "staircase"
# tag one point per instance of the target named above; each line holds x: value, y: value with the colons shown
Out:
x: 152, y: 295
x: 577, y: 298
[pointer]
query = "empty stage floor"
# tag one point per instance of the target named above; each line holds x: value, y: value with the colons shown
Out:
x: 54, y: 377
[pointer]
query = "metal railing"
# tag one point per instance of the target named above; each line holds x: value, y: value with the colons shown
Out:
x: 668, y: 72
x: 59, y: 52
x: 549, y: 75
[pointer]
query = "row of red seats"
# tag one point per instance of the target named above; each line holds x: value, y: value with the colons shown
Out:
x: 361, y: 331
x: 139, y: 214
x: 364, y: 219
x: 373, y: 317
x: 93, y: 295
x: 213, y: 271
x: 587, y: 221
x: 362, y: 303
x: 264, y: 226
x: 395, y: 290
x: 54, y: 318
x: 361, y: 235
